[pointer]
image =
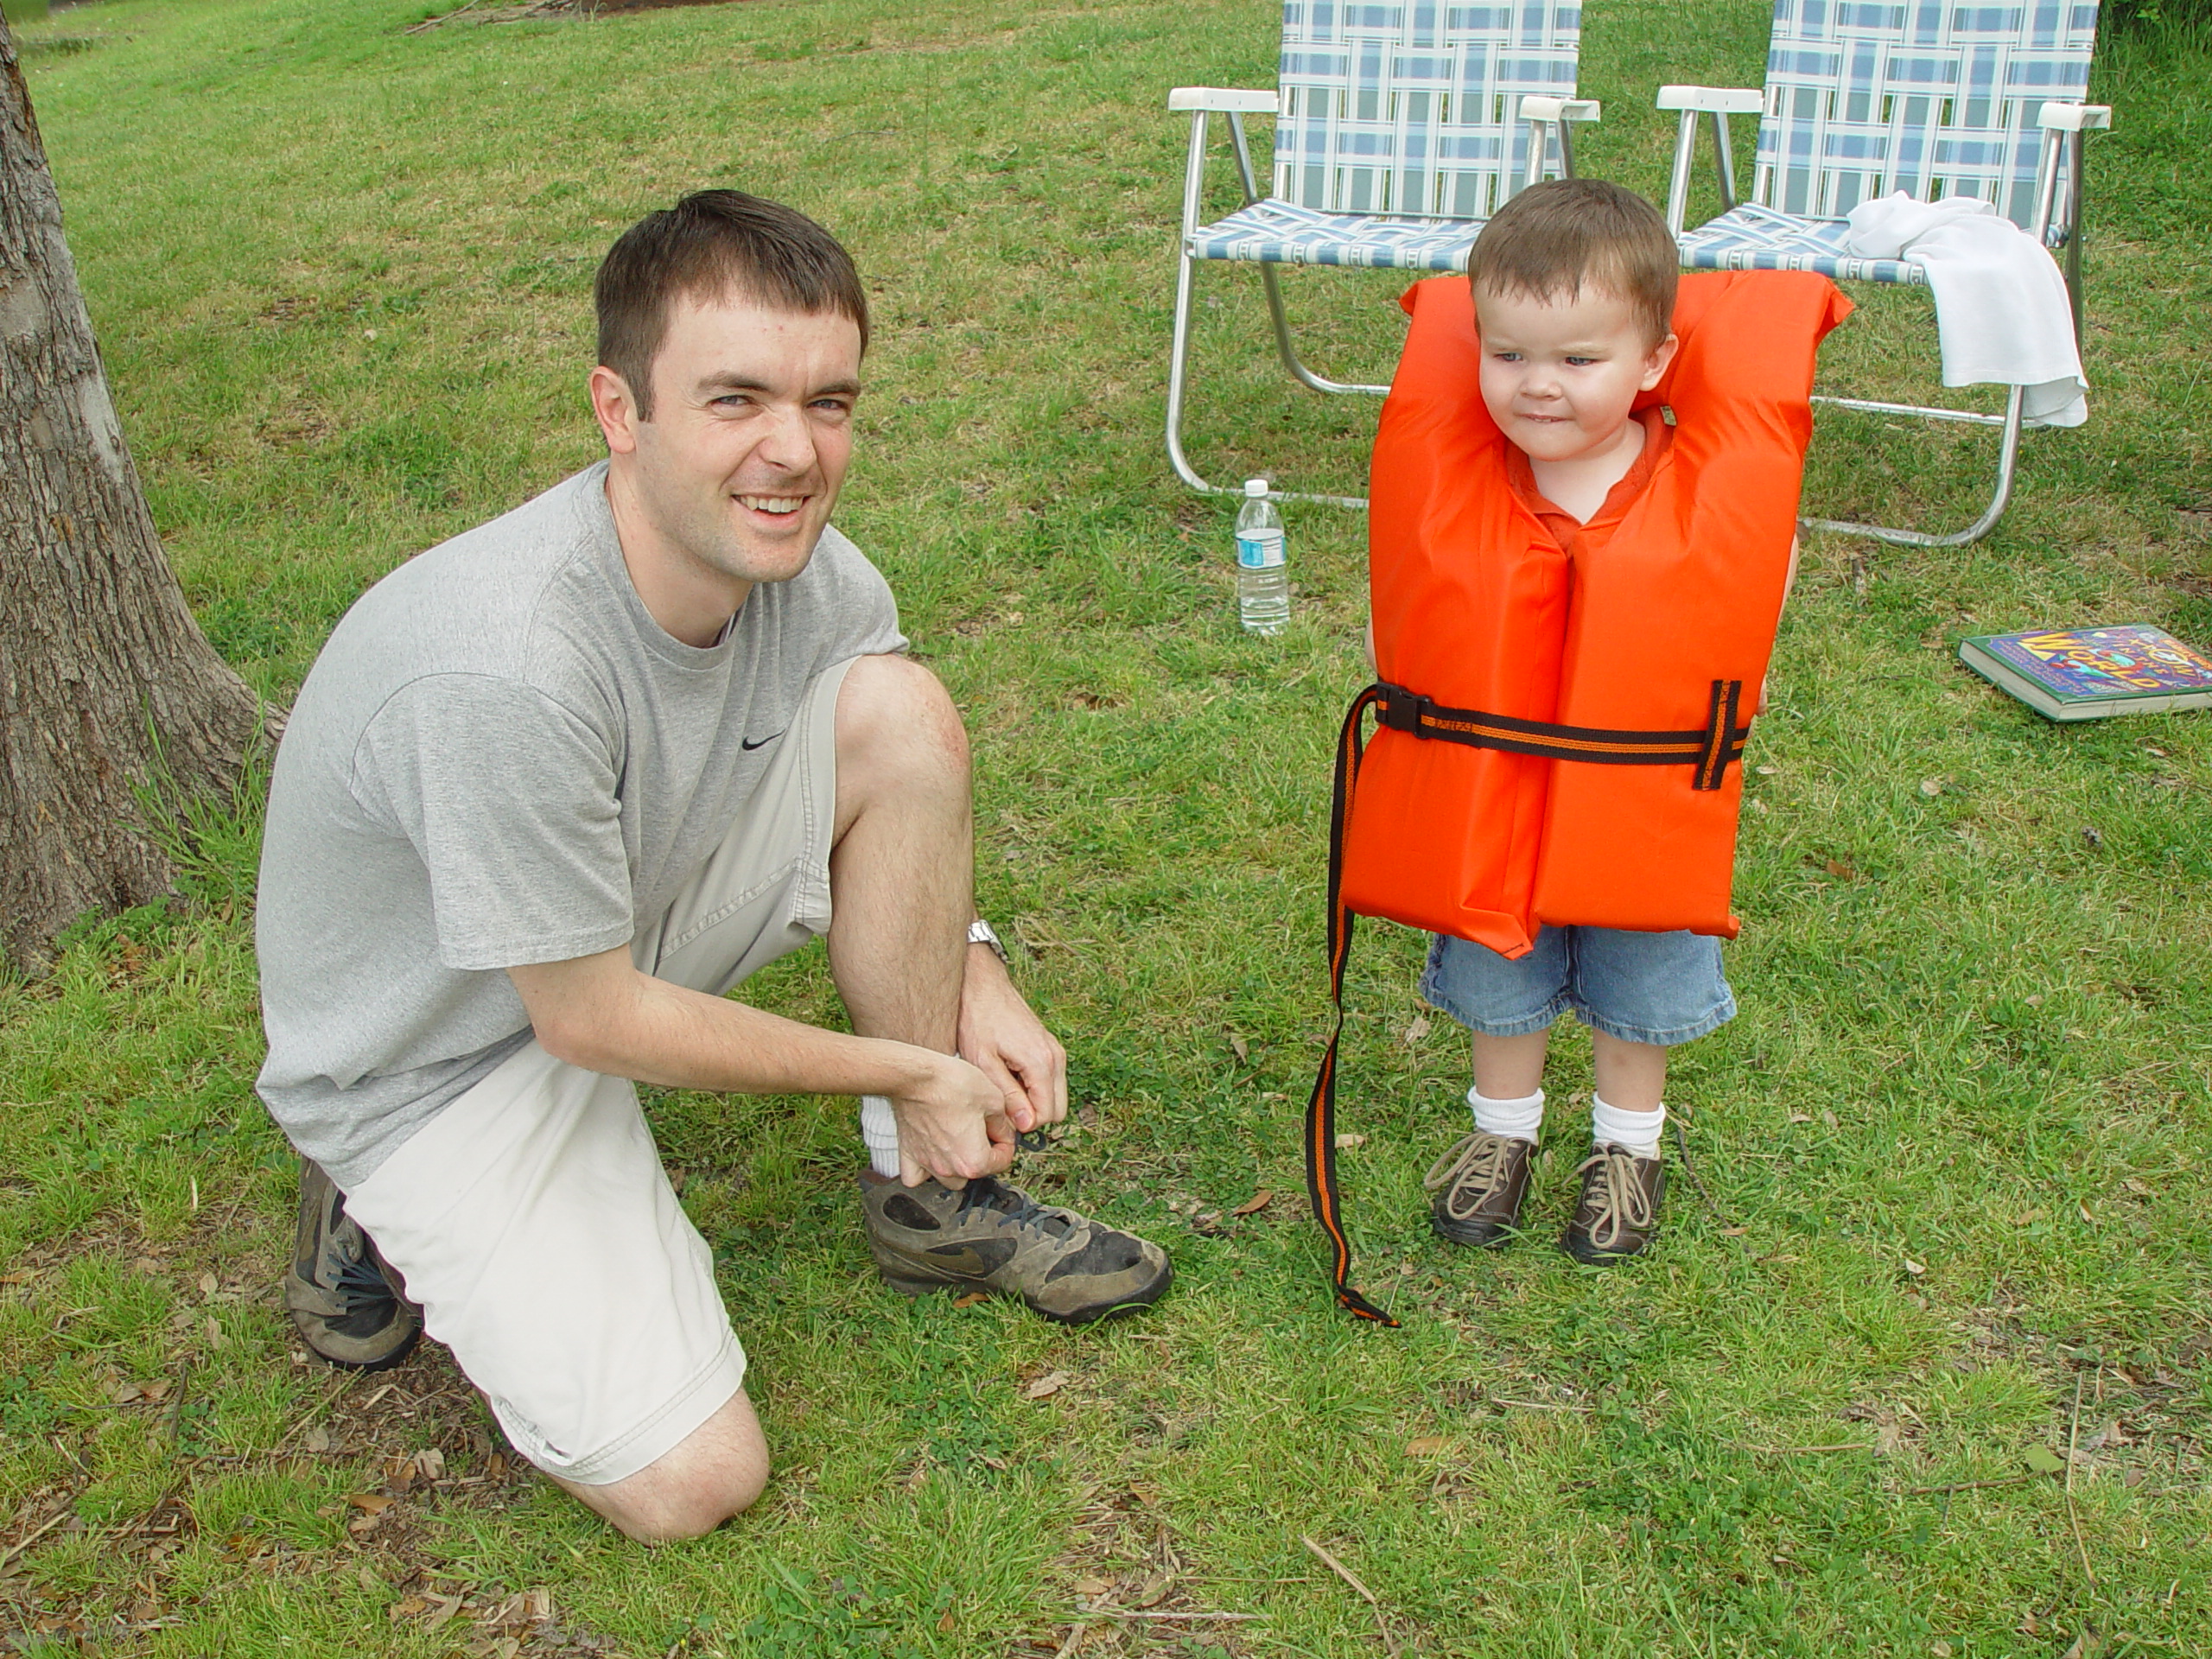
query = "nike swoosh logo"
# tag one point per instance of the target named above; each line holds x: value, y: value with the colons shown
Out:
x: 750, y: 744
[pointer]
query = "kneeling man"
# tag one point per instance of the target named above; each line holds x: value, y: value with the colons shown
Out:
x: 551, y: 790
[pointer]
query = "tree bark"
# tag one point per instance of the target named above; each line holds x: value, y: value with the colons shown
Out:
x: 106, y: 683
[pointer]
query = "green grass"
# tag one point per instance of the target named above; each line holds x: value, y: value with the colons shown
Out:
x: 1954, y: 1151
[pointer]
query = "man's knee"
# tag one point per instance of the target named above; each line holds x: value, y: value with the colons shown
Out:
x: 897, y: 729
x: 718, y: 1470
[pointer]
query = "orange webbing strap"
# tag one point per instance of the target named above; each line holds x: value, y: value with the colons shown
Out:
x: 1321, y: 1110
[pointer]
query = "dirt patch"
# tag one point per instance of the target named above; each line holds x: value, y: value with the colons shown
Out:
x: 516, y: 11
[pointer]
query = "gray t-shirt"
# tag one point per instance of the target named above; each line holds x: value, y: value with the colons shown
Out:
x: 500, y: 759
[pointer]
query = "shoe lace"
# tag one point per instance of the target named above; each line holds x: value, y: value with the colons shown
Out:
x: 1472, y: 1169
x: 1014, y: 1207
x: 1616, y: 1199
x: 361, y: 1282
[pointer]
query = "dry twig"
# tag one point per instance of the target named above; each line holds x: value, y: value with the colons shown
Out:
x: 2073, y: 1436
x: 1351, y: 1578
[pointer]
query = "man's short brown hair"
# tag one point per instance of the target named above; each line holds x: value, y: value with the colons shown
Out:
x: 1553, y: 237
x: 711, y: 244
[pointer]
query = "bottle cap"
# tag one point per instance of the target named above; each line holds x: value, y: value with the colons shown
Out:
x: 1256, y: 486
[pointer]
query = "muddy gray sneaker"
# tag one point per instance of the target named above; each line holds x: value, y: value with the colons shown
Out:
x: 991, y: 1236
x: 1618, y: 1214
x: 1479, y: 1185
x: 344, y: 1306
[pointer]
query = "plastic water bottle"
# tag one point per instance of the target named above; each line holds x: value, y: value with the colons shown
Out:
x: 1263, y: 575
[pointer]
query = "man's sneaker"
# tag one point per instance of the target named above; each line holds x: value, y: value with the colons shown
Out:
x: 341, y: 1299
x: 991, y: 1236
x: 1480, y: 1185
x: 1619, y: 1212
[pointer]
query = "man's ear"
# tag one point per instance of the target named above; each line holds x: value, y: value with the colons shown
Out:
x: 615, y: 410
x: 1662, y: 357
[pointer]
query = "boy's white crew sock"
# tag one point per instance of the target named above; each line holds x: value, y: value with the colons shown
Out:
x: 1516, y: 1120
x: 1638, y: 1131
x: 880, y: 1131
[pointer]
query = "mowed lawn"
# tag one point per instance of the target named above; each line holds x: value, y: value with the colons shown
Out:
x: 1921, y: 1367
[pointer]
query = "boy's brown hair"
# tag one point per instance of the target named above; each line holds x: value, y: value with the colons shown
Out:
x: 1555, y: 236
x: 712, y: 243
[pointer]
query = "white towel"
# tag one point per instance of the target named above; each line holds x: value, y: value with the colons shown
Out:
x: 2001, y: 309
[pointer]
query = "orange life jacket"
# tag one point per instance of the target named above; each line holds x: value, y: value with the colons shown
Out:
x: 1558, y: 728
x: 1654, y: 642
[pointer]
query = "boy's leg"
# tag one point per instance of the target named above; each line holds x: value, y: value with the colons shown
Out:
x: 1508, y: 1008
x: 1641, y: 993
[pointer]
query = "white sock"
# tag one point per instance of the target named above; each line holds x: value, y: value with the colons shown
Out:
x: 1637, y: 1131
x: 1518, y: 1120
x: 879, y: 1133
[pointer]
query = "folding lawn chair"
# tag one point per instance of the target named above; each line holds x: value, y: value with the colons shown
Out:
x: 1930, y: 97
x: 1399, y: 128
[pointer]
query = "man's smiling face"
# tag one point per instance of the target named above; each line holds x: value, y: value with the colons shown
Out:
x: 751, y: 432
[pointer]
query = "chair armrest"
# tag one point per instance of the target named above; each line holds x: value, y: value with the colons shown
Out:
x: 1715, y: 100
x: 1222, y: 100
x: 2055, y: 116
x: 1538, y: 106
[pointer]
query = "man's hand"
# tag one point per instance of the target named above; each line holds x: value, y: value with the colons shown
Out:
x: 952, y: 1125
x: 1009, y: 1044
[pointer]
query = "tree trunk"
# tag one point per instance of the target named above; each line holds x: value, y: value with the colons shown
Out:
x: 106, y: 683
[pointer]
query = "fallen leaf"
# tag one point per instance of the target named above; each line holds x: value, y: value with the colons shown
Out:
x: 1344, y: 1142
x: 1207, y: 1222
x: 128, y: 1394
x: 1766, y: 772
x: 1914, y: 1267
x: 1426, y: 1447
x: 2143, y: 1187
x: 1154, y: 1591
x: 2086, y: 1215
x: 1243, y: 1050
x: 430, y: 1464
x: 1733, y: 1232
x: 948, y: 1624
x: 1253, y: 1205
x: 1089, y: 1586
x: 316, y: 1440
x: 1841, y: 871
x: 369, y: 1503
x: 2041, y: 1460
x: 209, y: 1284
x: 1418, y: 1029
x: 1801, y: 1117
x: 368, y: 1580
x: 214, y: 1330
x: 969, y: 1299
x: 1932, y: 787
x: 1051, y: 1382
x: 407, y: 1607
x: 1940, y: 1650
x: 1888, y: 1440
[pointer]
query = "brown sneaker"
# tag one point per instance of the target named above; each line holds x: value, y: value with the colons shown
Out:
x: 1480, y: 1185
x: 343, y: 1300
x: 1619, y: 1213
x: 986, y: 1236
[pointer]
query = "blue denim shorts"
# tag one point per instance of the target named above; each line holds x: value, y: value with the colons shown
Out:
x: 1642, y: 987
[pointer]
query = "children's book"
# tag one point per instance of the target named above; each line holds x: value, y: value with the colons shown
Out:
x: 2089, y: 673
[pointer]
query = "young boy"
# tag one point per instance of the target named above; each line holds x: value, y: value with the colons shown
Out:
x: 1575, y: 287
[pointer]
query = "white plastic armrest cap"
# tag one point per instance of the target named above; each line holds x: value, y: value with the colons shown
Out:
x: 1538, y: 106
x: 2073, y: 117
x: 1224, y: 99
x: 1713, y: 100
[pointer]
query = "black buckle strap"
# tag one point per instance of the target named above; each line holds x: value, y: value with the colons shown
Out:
x: 1711, y: 748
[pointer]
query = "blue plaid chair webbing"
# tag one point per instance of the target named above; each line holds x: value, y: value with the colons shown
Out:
x: 1935, y: 98
x: 1750, y: 238
x: 1398, y: 133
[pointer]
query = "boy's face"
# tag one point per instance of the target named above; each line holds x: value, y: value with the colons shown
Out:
x: 1559, y: 374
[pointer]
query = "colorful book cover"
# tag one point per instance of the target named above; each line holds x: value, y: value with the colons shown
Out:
x: 2134, y: 661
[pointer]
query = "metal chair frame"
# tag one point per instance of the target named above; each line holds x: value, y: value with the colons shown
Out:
x: 1428, y: 156
x: 1549, y: 134
x: 2054, y: 219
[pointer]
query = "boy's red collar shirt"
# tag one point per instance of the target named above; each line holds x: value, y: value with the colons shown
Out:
x: 1561, y: 525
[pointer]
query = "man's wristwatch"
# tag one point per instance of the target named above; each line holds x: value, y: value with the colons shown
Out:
x: 980, y: 932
